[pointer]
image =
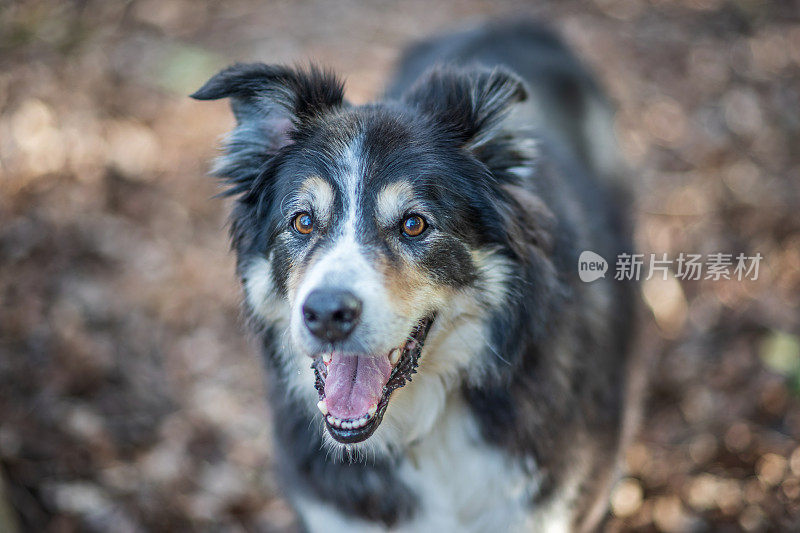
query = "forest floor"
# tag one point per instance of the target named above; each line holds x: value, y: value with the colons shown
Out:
x: 130, y: 396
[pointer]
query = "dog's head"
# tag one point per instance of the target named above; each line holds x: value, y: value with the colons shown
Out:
x: 366, y: 232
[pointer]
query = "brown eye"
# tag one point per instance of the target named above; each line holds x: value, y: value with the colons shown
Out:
x: 303, y: 223
x: 414, y: 225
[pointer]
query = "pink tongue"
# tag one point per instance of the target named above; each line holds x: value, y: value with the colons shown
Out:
x: 355, y: 383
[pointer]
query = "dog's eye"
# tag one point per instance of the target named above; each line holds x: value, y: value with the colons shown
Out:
x: 414, y: 225
x: 303, y: 223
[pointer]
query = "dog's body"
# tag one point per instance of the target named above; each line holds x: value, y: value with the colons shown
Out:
x: 453, y: 215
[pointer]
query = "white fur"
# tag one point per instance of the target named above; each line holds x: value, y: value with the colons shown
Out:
x: 321, y: 517
x: 260, y: 295
x: 268, y: 307
x: 463, y: 485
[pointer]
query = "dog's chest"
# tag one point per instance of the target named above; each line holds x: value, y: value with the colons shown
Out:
x: 464, y: 484
x: 461, y: 484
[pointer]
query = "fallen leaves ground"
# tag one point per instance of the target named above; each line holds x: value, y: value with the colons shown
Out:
x: 131, y: 400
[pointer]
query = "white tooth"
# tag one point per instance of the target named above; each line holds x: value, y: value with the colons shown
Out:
x: 394, y: 356
x: 372, y: 410
x: 358, y: 423
x: 326, y: 358
x: 347, y: 425
x: 323, y: 407
x: 331, y: 419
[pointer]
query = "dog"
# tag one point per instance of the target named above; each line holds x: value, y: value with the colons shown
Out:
x: 410, y: 267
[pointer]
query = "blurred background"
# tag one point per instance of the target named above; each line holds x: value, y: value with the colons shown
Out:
x: 131, y: 398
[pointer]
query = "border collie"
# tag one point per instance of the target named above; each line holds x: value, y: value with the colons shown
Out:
x: 411, y: 269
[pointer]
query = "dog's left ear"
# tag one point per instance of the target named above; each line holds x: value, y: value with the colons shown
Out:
x: 272, y: 104
x: 468, y: 103
x: 274, y: 99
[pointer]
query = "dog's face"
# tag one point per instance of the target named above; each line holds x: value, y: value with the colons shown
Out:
x: 366, y: 233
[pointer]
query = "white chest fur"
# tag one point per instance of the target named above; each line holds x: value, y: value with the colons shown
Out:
x: 463, y: 485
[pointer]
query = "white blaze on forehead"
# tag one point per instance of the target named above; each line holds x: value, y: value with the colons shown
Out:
x: 351, y: 177
x: 344, y: 259
x: 393, y: 201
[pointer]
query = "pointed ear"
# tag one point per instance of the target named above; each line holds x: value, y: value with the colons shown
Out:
x: 273, y: 99
x: 468, y: 103
x: 271, y: 103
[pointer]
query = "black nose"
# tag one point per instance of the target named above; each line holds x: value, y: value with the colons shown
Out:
x: 331, y: 314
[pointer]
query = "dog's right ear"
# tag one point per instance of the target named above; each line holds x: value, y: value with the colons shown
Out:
x: 469, y: 103
x: 274, y: 99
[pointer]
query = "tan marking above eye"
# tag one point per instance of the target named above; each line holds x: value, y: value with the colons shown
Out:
x: 318, y: 195
x: 303, y: 223
x: 392, y: 201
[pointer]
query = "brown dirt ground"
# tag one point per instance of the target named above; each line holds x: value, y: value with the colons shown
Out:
x: 131, y: 400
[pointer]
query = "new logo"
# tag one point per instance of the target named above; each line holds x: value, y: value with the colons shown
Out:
x: 591, y: 266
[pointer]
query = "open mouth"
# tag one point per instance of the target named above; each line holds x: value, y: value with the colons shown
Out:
x: 354, y: 390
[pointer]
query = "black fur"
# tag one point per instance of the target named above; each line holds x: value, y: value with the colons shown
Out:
x: 466, y: 104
